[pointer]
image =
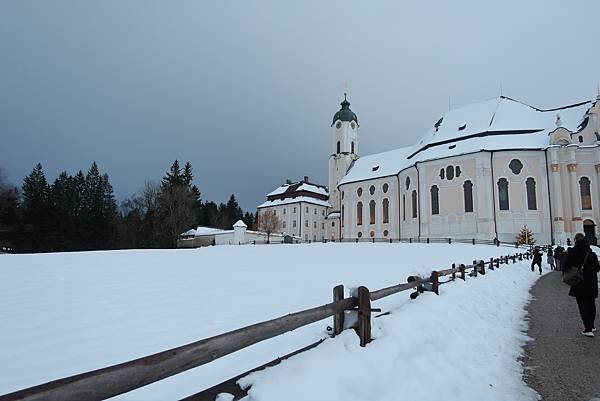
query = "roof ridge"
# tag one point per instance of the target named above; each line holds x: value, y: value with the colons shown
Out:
x: 547, y: 110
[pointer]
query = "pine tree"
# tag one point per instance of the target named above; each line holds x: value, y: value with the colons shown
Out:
x: 187, y: 176
x: 8, y: 213
x: 525, y: 236
x: 63, y: 211
x: 36, y: 209
x: 174, y: 176
x: 249, y: 220
x: 177, y: 204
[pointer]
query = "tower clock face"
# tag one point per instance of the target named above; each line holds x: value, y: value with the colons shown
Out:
x: 338, y: 125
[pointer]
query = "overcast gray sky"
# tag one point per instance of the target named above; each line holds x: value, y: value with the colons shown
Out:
x: 245, y: 90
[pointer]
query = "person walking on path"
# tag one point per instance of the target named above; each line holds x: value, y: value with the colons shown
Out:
x: 550, y: 259
x: 586, y: 292
x: 557, y: 253
x: 537, y: 259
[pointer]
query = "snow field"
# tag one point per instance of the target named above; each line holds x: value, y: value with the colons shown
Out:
x: 62, y: 314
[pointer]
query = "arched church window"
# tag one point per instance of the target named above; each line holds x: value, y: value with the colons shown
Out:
x: 372, y: 234
x: 372, y: 212
x: 359, y: 214
x: 468, y: 194
x: 359, y: 191
x: 407, y: 182
x: 338, y: 125
x: 353, y: 125
x: 586, y: 196
x: 341, y: 218
x: 515, y: 166
x: 442, y: 173
x: 386, y: 210
x: 531, y: 197
x: 580, y: 139
x: 339, y: 147
x: 372, y: 189
x: 342, y: 194
x: 435, y: 200
x: 404, y: 207
x: 503, y: 193
x: 414, y: 204
x: 457, y: 171
x: 352, y: 145
x: 385, y: 188
x: 359, y: 234
x: 385, y: 233
x: 450, y: 172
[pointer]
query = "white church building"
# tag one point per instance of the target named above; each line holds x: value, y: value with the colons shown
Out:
x: 482, y: 171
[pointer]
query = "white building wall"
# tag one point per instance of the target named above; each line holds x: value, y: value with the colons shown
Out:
x: 296, y: 221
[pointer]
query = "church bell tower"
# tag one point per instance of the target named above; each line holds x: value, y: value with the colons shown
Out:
x: 344, y: 149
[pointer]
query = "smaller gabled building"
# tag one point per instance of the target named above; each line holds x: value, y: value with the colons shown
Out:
x: 301, y: 207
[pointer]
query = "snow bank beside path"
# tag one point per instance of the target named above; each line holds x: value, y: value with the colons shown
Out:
x: 67, y: 313
x: 463, y: 345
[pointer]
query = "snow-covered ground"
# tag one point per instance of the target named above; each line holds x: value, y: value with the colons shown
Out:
x: 66, y: 313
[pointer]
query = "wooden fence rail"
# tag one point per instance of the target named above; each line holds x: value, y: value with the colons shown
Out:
x: 121, y: 378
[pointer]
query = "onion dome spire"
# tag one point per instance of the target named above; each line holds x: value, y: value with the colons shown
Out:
x: 345, y: 114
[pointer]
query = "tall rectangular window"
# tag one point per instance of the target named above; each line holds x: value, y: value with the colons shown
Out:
x: 372, y: 212
x: 531, y: 197
x: 386, y: 211
x: 503, y: 194
x: 586, y: 195
x: 414, y: 204
x: 435, y: 200
x: 359, y: 213
x: 468, y: 195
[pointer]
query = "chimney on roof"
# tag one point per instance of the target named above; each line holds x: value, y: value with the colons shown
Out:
x: 288, y: 181
x: 558, y: 121
x: 305, y: 178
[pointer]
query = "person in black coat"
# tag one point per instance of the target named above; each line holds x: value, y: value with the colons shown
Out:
x: 586, y: 292
x: 537, y: 259
x: 557, y: 254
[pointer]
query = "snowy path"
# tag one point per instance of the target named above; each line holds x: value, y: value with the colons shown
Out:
x: 562, y: 364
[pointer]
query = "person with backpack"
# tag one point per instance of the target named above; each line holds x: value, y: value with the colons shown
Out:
x: 582, y: 258
x: 537, y: 259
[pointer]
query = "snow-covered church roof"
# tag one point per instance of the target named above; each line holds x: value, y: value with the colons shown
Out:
x: 497, y: 124
x: 302, y: 191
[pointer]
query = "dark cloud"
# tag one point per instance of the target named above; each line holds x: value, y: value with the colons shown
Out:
x: 245, y: 90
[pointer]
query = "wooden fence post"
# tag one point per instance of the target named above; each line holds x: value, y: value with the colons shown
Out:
x: 462, y: 272
x: 498, y: 262
x: 475, y: 268
x: 491, y: 263
x: 364, y: 315
x: 453, y: 272
x: 435, y: 282
x: 338, y: 318
x: 482, y: 266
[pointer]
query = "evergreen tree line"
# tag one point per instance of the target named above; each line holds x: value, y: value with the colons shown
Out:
x: 79, y: 212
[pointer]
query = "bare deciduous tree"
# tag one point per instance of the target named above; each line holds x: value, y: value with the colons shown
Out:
x: 268, y: 222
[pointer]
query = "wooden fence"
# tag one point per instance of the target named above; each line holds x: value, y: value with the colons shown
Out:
x: 118, y: 379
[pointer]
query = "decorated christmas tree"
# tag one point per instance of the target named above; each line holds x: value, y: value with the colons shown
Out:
x: 525, y: 236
